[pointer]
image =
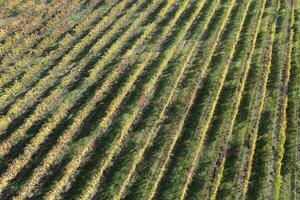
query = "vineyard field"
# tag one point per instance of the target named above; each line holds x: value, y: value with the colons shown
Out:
x: 150, y: 99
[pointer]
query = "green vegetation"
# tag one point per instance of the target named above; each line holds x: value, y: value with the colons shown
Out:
x: 149, y: 99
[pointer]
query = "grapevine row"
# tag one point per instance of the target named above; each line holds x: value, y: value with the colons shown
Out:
x: 229, y: 186
x: 182, y: 100
x: 82, y: 115
x: 50, y: 29
x: 186, y: 160
x: 76, y: 94
x: 126, y: 120
x: 43, y: 107
x: 158, y: 105
x: 231, y: 95
x: 258, y: 103
x: 64, y: 44
x: 290, y: 168
x: 63, y: 67
x: 15, y: 23
x: 29, y: 28
x: 272, y: 137
x: 17, y: 135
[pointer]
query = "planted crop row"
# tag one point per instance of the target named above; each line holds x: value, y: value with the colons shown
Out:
x: 13, y: 68
x: 140, y: 138
x: 64, y: 44
x: 17, y: 7
x: 230, y: 187
x: 290, y: 168
x: 54, y: 27
x: 146, y: 184
x: 268, y: 124
x: 139, y: 150
x: 34, y: 24
x: 231, y: 94
x: 19, y: 49
x: 257, y: 107
x: 13, y: 19
x: 8, y: 6
x: 125, y: 99
x: 63, y: 67
x: 272, y: 137
x: 253, y: 137
x: 75, y: 94
x: 280, y: 133
x: 62, y: 89
x: 187, y: 151
x: 67, y: 135
x: 133, y: 108
x: 255, y: 118
x: 20, y: 132
x: 17, y: 135
x: 227, y: 126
